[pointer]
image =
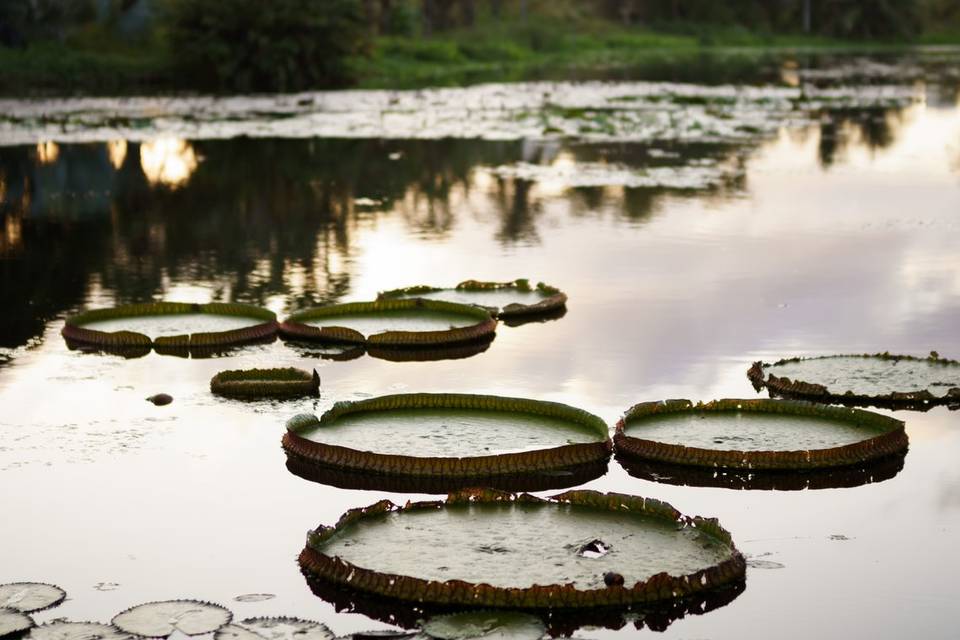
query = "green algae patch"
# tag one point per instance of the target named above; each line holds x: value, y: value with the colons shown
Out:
x: 883, y: 380
x: 137, y: 328
x: 757, y: 434
x: 448, y: 436
x: 516, y: 299
x: 523, y: 552
x: 161, y: 619
x: 388, y: 324
x: 266, y: 383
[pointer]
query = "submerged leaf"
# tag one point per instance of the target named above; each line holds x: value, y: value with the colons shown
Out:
x: 499, y: 625
x: 160, y: 619
x: 27, y: 597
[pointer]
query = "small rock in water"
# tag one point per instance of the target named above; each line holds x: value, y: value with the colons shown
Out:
x: 594, y: 549
x: 613, y: 579
x: 160, y: 399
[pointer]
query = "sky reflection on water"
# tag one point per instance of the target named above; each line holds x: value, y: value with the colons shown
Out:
x: 833, y: 236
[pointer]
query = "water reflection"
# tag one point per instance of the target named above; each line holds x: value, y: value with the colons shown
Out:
x: 167, y: 161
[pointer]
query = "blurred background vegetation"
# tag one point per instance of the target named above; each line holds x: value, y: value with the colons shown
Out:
x: 118, y: 46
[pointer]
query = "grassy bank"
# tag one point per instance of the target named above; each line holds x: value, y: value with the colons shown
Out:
x: 488, y: 52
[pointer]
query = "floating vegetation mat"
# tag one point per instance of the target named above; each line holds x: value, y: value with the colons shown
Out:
x: 266, y: 383
x: 503, y: 299
x: 524, y: 552
x: 17, y: 599
x: 161, y: 619
x: 392, y: 323
x: 169, y: 327
x: 884, y: 380
x: 453, y: 436
x: 757, y: 434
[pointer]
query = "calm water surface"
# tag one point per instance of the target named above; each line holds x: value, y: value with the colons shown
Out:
x: 829, y: 227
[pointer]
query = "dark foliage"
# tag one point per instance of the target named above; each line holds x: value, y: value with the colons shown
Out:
x: 251, y: 45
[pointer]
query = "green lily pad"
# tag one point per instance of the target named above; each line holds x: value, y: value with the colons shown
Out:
x: 504, y: 299
x: 282, y: 628
x: 453, y: 435
x: 77, y: 631
x: 757, y: 434
x: 882, y: 379
x: 13, y: 623
x: 170, y: 326
x: 524, y: 552
x: 391, y: 323
x: 266, y: 383
x: 160, y: 619
x: 27, y: 597
x: 492, y: 625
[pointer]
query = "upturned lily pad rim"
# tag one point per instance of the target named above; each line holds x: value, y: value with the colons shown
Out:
x: 799, y: 389
x: 657, y: 588
x: 74, y: 330
x: 892, y: 441
x: 523, y: 462
x: 286, y: 382
x: 295, y: 326
x: 554, y: 299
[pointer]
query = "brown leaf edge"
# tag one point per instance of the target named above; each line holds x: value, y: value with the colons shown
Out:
x: 294, y: 327
x: 485, y: 466
x: 798, y: 389
x: 658, y: 588
x: 139, y: 344
x: 266, y: 383
x: 893, y: 441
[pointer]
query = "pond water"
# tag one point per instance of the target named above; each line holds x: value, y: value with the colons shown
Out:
x: 735, y: 431
x: 833, y: 227
x: 450, y: 434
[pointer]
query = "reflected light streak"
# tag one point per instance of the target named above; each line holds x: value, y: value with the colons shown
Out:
x: 48, y: 152
x: 117, y: 151
x: 168, y: 161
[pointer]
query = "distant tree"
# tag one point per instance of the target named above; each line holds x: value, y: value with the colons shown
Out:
x: 869, y: 18
x: 253, y: 45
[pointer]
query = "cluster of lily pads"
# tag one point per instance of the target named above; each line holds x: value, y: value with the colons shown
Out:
x: 577, y: 555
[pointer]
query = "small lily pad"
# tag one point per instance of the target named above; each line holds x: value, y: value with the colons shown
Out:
x: 160, y: 619
x: 27, y: 597
x: 493, y: 625
x: 13, y: 623
x: 77, y: 631
x: 282, y: 628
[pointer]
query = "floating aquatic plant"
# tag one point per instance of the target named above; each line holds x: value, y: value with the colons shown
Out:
x: 503, y: 299
x: 520, y: 551
x: 28, y: 597
x: 454, y: 436
x: 391, y: 324
x: 80, y: 330
x: 64, y: 630
x: 13, y: 623
x: 882, y: 379
x: 266, y: 383
x: 160, y: 619
x: 282, y: 628
x: 757, y: 434
x: 490, y: 624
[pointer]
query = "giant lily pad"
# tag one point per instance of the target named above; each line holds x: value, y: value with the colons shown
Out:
x: 77, y: 631
x: 266, y: 383
x: 275, y: 629
x: 13, y: 623
x: 160, y: 619
x: 503, y: 299
x: 884, y: 380
x: 757, y: 434
x: 391, y: 323
x: 27, y: 597
x: 449, y: 436
x: 523, y: 552
x: 170, y: 327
